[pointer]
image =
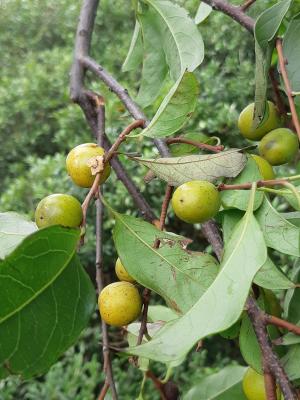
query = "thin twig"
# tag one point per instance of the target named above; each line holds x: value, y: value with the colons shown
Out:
x: 104, y: 390
x: 270, y: 385
x: 99, y: 274
x: 247, y: 185
x: 203, y: 146
x: 233, y: 12
x: 248, y: 3
x: 288, y: 89
x: 157, y: 383
x: 281, y: 323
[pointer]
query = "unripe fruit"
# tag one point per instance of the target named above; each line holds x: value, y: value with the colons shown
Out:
x: 245, y: 122
x: 254, y: 386
x: 58, y: 209
x: 279, y: 146
x: 119, y: 303
x: 196, y: 201
x: 77, y: 164
x: 265, y: 168
x: 121, y: 272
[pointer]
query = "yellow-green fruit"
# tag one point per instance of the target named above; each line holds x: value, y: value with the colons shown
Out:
x: 245, y: 122
x: 265, y: 167
x: 77, y: 164
x: 254, y: 386
x: 279, y: 146
x: 121, y: 272
x: 119, y: 303
x: 196, y: 201
x: 58, y: 209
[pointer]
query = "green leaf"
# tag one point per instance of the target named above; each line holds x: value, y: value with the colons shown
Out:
x: 155, y: 68
x: 289, y: 339
x: 178, y: 170
x: 203, y: 12
x: 178, y: 275
x: 160, y: 313
x: 291, y: 51
x: 290, y: 197
x: 176, y: 108
x: 181, y: 40
x: 13, y: 229
x: 292, y: 217
x: 290, y: 362
x: 269, y: 276
x: 223, y: 385
x: 135, y: 53
x: 266, y: 27
x: 223, y: 301
x: 279, y: 233
x: 46, y: 301
x: 292, y: 299
x: 240, y: 198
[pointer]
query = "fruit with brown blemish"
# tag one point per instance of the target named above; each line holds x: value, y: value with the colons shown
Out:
x: 119, y: 303
x: 77, y: 164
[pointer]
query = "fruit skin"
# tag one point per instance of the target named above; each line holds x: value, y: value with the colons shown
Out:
x: 245, y: 122
x: 265, y: 167
x: 119, y: 303
x: 279, y: 146
x: 254, y: 386
x: 196, y: 201
x: 121, y: 272
x: 58, y: 209
x: 77, y: 167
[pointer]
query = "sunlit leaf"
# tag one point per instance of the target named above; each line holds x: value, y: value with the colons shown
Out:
x: 203, y: 12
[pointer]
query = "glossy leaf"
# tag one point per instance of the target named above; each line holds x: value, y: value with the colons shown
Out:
x: 291, y: 51
x: 266, y: 27
x: 178, y: 170
x: 13, y: 229
x: 135, y: 53
x: 223, y: 301
x: 178, y: 275
x: 176, y: 108
x: 223, y: 385
x: 279, y: 233
x: 181, y: 40
x: 155, y: 68
x: 46, y: 301
x: 240, y: 198
x: 203, y: 12
x: 269, y: 276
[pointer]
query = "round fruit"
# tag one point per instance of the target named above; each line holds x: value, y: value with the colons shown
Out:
x: 58, y: 209
x: 254, y: 386
x: 196, y: 201
x: 121, y: 272
x: 245, y: 122
x: 279, y: 146
x: 119, y: 303
x: 77, y: 164
x: 265, y: 168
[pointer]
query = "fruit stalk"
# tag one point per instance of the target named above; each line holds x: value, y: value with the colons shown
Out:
x: 288, y: 89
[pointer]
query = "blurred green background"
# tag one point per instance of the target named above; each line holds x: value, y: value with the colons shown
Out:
x: 39, y: 125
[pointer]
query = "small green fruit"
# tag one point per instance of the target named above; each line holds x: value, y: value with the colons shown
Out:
x: 279, y: 146
x: 254, y: 386
x: 196, y: 201
x: 77, y: 164
x: 245, y: 122
x: 264, y: 167
x: 121, y: 272
x: 58, y: 209
x: 119, y: 303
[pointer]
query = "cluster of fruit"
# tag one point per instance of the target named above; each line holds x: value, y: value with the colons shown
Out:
x: 63, y: 209
x: 198, y: 201
x: 120, y: 302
